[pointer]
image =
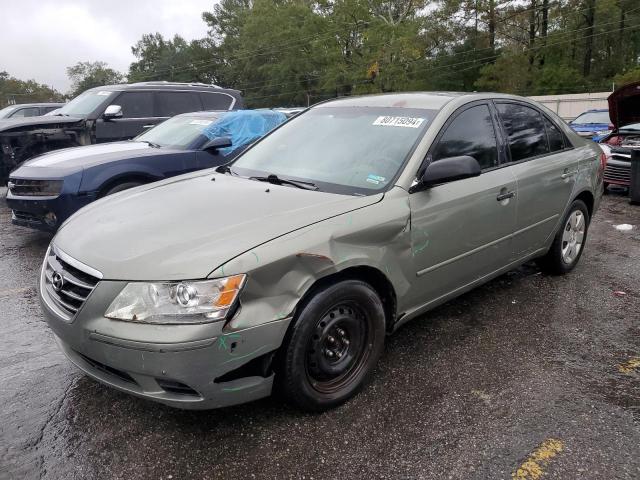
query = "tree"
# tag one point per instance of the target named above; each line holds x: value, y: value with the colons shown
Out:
x: 173, y: 60
x: 86, y: 75
x: 13, y: 90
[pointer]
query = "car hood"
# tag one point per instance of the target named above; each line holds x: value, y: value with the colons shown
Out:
x: 73, y: 159
x: 186, y: 227
x: 624, y: 105
x: 7, y: 124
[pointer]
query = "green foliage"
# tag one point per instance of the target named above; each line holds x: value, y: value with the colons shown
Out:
x: 297, y: 52
x: 174, y: 60
x: 13, y: 90
x: 86, y: 75
x: 627, y: 77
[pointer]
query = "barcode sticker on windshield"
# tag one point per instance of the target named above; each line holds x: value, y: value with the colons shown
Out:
x: 103, y: 93
x: 410, y: 122
x: 200, y: 122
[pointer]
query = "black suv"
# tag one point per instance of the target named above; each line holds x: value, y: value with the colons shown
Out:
x: 107, y: 114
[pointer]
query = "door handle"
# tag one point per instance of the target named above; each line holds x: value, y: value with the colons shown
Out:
x: 568, y: 174
x: 148, y: 126
x: 505, y: 196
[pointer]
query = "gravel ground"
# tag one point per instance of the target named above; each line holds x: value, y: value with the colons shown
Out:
x: 530, y: 376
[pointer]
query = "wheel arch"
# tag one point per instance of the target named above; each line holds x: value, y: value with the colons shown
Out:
x: 375, y: 278
x: 589, y: 200
x: 125, y: 177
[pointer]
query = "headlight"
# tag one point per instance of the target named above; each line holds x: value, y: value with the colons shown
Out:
x: 176, y: 302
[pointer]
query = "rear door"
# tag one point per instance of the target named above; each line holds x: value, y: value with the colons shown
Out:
x: 544, y: 169
x: 461, y: 230
x: 137, y: 114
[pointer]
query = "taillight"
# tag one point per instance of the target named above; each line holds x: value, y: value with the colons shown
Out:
x: 603, y: 161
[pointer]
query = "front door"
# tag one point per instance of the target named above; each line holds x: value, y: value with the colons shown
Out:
x: 544, y: 169
x: 461, y: 231
x: 137, y: 115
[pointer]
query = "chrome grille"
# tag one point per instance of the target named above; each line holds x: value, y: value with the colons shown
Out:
x: 34, y: 188
x: 617, y: 173
x: 67, y: 282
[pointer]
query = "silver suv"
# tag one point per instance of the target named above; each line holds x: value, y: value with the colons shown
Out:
x: 287, y: 268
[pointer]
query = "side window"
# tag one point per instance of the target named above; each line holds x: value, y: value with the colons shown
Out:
x: 216, y: 101
x: 471, y: 133
x: 44, y: 110
x: 525, y: 130
x: 26, y: 112
x: 556, y: 138
x: 174, y: 103
x: 135, y: 104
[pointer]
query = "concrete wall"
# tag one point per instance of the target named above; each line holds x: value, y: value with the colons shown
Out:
x: 571, y: 105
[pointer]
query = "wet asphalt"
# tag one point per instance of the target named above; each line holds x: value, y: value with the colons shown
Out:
x: 529, y: 376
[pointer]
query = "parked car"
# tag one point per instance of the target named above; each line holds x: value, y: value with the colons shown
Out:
x: 107, y: 114
x: 288, y: 267
x: 624, y: 109
x: 28, y: 110
x: 593, y: 124
x: 48, y: 189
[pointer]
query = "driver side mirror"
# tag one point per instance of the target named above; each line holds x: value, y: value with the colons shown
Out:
x: 112, y: 111
x: 217, y: 143
x: 448, y: 170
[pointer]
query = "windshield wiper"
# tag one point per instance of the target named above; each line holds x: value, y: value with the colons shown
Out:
x: 283, y: 181
x: 151, y: 144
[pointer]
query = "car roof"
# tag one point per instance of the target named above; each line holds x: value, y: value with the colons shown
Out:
x: 163, y: 85
x: 426, y: 100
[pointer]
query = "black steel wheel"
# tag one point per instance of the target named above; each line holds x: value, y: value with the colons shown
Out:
x: 335, y: 342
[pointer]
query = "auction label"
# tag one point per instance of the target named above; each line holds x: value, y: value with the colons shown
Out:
x: 410, y: 122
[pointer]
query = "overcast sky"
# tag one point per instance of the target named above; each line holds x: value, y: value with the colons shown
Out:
x: 40, y: 38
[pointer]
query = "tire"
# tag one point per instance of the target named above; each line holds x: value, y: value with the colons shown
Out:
x: 333, y: 346
x: 570, y: 239
x: 606, y: 188
x: 121, y: 186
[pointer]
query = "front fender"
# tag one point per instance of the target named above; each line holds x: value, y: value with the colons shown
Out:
x: 282, y: 271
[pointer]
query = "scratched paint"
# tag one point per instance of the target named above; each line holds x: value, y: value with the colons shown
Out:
x: 225, y: 341
x: 534, y: 466
x: 420, y: 241
x: 630, y: 366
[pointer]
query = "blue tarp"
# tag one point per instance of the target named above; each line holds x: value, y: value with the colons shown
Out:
x: 243, y: 126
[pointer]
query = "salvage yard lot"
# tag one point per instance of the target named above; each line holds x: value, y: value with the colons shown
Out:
x: 527, y: 376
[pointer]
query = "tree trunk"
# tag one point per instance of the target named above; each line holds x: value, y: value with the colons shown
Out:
x: 532, y: 31
x: 544, y: 29
x: 588, y: 49
x: 492, y: 25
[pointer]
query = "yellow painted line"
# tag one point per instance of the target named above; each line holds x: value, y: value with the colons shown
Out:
x: 533, y: 467
x: 15, y: 290
x: 630, y: 366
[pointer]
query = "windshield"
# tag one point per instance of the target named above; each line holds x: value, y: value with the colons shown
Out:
x: 593, y: 117
x: 178, y: 132
x: 85, y: 103
x: 6, y: 111
x: 351, y: 150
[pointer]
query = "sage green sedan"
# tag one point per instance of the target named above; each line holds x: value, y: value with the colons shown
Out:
x: 288, y: 268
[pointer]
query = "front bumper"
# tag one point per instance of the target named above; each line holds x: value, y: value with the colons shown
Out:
x: 178, y: 365
x: 31, y: 210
